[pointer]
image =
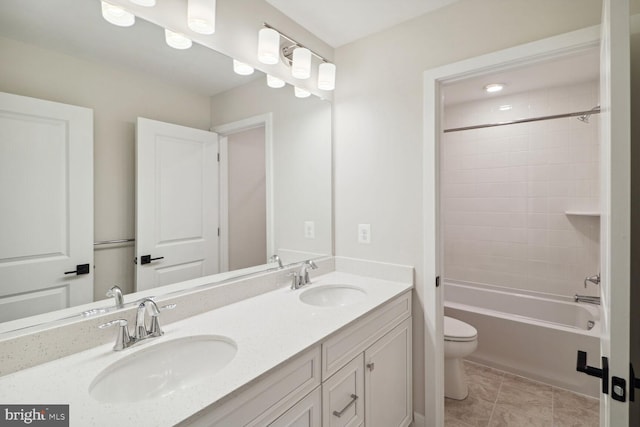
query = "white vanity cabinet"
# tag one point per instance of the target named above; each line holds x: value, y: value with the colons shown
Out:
x: 379, y: 346
x: 358, y: 376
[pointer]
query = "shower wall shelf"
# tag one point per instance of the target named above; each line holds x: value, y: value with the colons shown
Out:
x: 583, y: 213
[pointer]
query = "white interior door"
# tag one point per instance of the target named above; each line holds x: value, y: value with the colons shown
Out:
x: 46, y: 220
x: 615, y: 201
x: 176, y: 203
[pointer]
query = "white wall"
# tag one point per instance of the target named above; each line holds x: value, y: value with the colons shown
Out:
x: 378, y: 122
x: 117, y: 97
x: 505, y: 191
x: 301, y: 160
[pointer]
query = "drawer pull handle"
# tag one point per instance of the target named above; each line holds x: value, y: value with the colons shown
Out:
x: 353, y: 400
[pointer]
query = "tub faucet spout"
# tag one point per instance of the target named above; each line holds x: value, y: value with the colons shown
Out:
x: 586, y: 298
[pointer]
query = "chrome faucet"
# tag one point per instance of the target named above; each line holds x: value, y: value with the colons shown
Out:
x: 154, y: 329
x: 124, y: 339
x: 276, y: 258
x: 116, y: 293
x: 586, y: 298
x: 301, y: 277
x: 595, y: 279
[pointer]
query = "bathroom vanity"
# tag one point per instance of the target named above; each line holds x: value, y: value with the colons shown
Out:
x: 336, y: 352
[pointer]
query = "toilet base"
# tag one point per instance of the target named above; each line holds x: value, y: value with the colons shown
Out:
x: 455, y: 379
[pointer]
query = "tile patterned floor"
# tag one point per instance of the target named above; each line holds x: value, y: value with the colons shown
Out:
x: 498, y: 399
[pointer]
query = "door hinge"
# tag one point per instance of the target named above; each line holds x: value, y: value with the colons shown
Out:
x: 437, y: 281
x: 218, y: 157
x: 218, y: 231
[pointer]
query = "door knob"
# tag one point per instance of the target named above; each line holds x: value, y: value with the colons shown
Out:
x: 146, y: 259
x: 80, y: 269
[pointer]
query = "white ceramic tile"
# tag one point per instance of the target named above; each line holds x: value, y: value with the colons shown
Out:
x: 520, y: 180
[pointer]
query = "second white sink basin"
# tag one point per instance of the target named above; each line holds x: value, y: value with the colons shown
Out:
x: 163, y: 369
x: 332, y: 295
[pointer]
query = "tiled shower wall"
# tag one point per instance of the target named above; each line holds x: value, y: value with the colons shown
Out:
x: 507, y: 191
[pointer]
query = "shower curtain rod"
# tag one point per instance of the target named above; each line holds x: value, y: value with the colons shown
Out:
x: 587, y: 113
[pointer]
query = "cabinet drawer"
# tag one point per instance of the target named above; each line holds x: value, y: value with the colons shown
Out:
x: 343, y: 396
x: 269, y: 397
x: 306, y: 413
x: 338, y: 349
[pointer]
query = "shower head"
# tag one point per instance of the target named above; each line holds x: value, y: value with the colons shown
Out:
x: 585, y: 117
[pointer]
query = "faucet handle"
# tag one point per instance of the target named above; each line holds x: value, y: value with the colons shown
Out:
x: 123, y: 340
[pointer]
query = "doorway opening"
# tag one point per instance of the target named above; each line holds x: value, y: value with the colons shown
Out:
x: 519, y: 225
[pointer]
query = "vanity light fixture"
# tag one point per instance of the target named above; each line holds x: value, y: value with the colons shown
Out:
x: 268, y: 46
x: 494, y: 87
x: 274, y: 82
x: 301, y: 93
x: 145, y: 3
x: 201, y: 16
x: 301, y: 65
x: 327, y: 76
x: 242, y: 68
x: 294, y: 54
x: 117, y: 15
x: 177, y: 40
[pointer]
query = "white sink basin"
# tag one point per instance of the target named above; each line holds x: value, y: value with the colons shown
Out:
x: 332, y: 295
x: 162, y: 369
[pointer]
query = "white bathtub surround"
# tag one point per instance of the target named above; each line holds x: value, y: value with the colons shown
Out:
x: 269, y: 329
x: 533, y: 335
x: 506, y: 191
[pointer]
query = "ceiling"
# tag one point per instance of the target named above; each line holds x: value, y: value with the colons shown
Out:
x: 573, y: 69
x: 338, y: 22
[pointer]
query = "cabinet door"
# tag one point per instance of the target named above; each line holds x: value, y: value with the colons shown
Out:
x: 388, y: 385
x: 306, y: 413
x: 342, y: 396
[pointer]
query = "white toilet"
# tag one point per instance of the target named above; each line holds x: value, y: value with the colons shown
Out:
x: 460, y: 340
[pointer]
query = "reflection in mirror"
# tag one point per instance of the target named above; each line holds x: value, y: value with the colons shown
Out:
x: 273, y: 181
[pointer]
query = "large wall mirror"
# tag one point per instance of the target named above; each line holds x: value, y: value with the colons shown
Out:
x: 272, y: 185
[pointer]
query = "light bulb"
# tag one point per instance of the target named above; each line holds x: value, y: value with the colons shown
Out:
x: 301, y: 93
x: 145, y: 3
x: 201, y: 16
x: 494, y: 87
x: 242, y: 68
x: 301, y: 67
x: 117, y: 15
x: 274, y: 82
x: 176, y: 40
x: 268, y: 46
x: 327, y: 76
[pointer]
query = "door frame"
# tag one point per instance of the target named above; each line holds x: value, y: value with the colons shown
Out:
x: 223, y: 132
x: 529, y: 53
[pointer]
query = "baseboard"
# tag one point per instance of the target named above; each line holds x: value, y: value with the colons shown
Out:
x: 418, y: 420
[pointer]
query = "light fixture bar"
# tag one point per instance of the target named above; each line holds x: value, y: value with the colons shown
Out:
x: 283, y: 35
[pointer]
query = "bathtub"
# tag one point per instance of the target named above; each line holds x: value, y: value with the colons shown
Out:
x: 529, y: 334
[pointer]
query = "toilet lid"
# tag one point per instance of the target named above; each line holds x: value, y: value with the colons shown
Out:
x: 457, y: 330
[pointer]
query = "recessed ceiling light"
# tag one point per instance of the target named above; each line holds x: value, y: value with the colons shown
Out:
x: 493, y: 87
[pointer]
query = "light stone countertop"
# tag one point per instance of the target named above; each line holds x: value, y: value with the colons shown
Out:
x: 268, y: 329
